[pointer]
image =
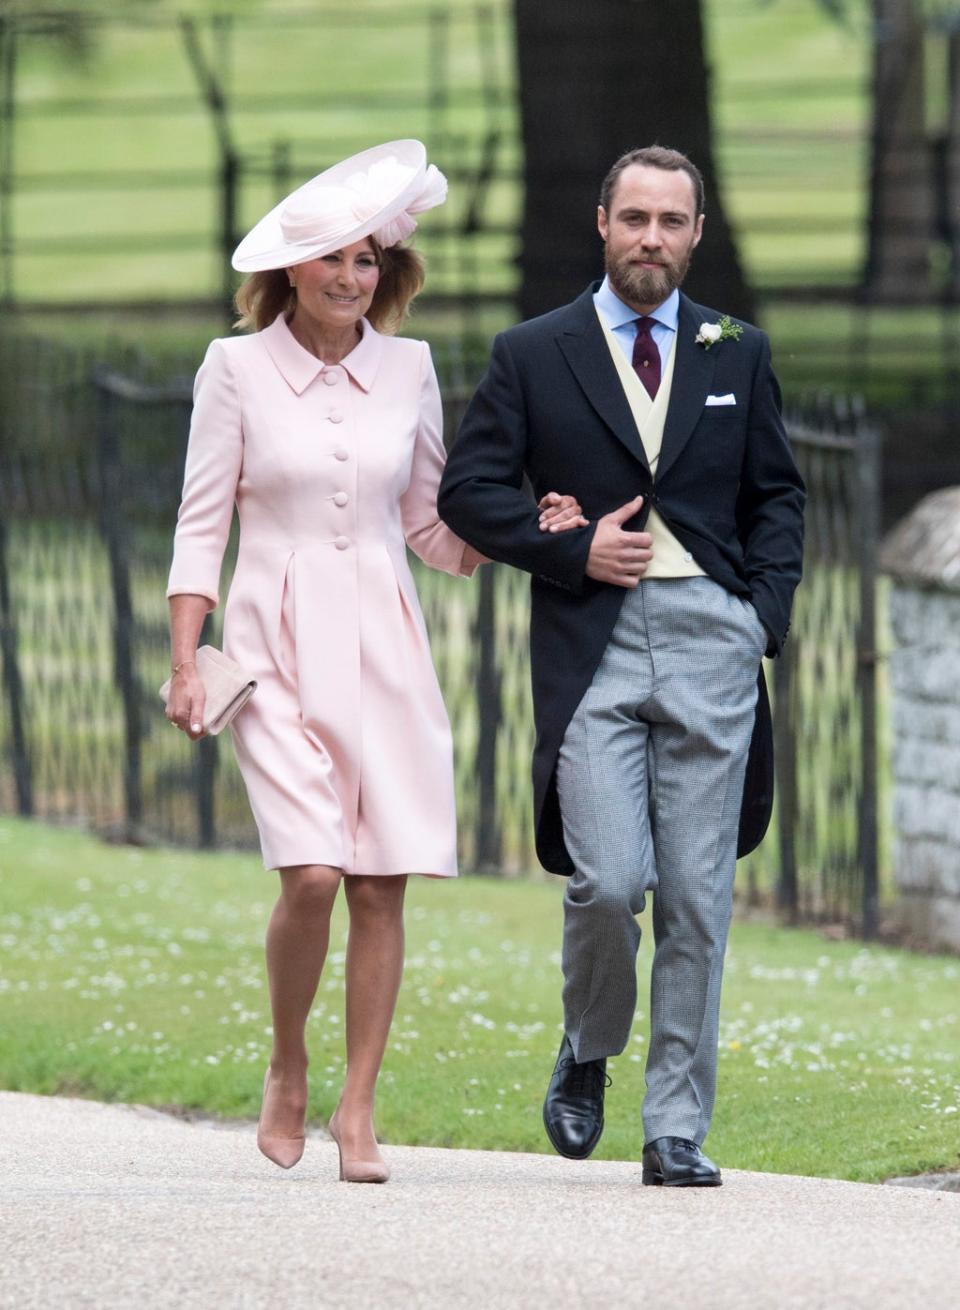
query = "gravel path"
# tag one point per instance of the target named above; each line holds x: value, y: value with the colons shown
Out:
x: 118, y: 1206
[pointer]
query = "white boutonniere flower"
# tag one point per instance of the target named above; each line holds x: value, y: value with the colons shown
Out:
x: 710, y: 333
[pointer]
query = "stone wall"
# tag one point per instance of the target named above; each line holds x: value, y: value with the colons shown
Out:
x: 922, y: 555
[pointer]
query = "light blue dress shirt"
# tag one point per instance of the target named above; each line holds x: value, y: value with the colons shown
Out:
x: 623, y: 321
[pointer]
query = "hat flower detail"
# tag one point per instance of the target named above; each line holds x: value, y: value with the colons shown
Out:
x: 367, y: 188
x: 724, y: 330
x: 432, y: 193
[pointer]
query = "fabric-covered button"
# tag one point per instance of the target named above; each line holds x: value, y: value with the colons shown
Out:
x: 341, y: 498
x: 341, y: 454
x: 335, y: 416
x: 330, y: 378
x: 341, y: 543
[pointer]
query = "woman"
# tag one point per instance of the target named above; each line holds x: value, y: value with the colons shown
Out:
x: 326, y: 433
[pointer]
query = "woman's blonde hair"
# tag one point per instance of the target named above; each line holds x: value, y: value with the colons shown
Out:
x: 262, y: 296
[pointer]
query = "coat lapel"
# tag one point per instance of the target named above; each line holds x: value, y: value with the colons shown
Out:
x: 692, y: 378
x: 586, y: 351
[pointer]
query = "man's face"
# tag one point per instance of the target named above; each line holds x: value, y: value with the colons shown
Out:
x: 649, y: 233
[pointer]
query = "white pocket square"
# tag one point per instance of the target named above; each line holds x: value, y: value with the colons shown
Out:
x: 728, y: 399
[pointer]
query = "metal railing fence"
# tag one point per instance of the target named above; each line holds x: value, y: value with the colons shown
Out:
x: 825, y: 683
x: 91, y: 458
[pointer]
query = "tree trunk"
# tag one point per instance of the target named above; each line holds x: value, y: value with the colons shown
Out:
x: 597, y: 80
x: 901, y: 192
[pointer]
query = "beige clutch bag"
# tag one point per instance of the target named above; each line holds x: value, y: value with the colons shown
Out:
x: 226, y: 685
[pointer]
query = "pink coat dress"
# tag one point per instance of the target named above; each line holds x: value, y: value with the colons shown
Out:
x: 345, y: 748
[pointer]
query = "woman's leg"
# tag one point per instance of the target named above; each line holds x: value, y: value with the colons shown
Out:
x: 297, y: 939
x: 374, y: 970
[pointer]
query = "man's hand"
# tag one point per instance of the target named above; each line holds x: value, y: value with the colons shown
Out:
x: 617, y: 556
x: 560, y: 513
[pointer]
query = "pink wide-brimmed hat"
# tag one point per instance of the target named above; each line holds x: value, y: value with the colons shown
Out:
x: 375, y: 193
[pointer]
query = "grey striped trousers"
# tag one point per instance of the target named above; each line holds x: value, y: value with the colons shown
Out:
x: 650, y: 780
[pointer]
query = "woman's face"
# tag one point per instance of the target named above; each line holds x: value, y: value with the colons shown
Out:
x: 336, y: 289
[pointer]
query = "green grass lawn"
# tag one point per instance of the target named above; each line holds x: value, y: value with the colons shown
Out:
x: 137, y: 975
x: 790, y: 104
x: 791, y: 109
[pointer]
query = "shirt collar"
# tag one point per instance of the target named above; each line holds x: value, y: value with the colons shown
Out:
x: 299, y: 367
x: 617, y: 313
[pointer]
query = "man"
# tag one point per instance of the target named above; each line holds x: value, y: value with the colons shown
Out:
x: 647, y: 632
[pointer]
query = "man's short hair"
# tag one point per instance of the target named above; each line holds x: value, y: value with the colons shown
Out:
x: 654, y: 157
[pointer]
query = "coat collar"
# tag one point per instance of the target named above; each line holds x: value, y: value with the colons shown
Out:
x: 299, y: 367
x: 582, y: 342
x: 692, y: 377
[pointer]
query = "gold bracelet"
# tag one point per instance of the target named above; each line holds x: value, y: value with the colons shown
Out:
x: 177, y: 667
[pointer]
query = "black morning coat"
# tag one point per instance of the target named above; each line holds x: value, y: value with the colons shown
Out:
x: 552, y: 407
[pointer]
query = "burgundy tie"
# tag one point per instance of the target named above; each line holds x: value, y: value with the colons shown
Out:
x: 646, y: 356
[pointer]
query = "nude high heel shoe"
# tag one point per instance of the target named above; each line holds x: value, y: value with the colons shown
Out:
x: 284, y: 1151
x: 358, y: 1171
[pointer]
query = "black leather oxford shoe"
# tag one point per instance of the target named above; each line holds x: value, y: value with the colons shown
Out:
x: 573, y: 1109
x: 678, y: 1162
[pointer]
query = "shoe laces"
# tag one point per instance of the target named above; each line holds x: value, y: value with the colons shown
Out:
x: 587, y: 1079
x: 684, y: 1143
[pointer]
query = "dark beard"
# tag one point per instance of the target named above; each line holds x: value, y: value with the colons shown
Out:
x: 644, y: 286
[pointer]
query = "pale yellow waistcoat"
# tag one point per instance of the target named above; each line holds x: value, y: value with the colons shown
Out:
x: 671, y: 559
